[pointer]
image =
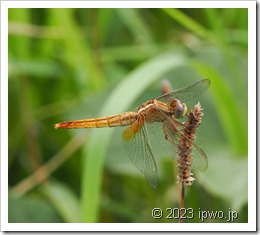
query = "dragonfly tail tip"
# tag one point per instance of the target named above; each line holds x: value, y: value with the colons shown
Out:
x: 56, y: 126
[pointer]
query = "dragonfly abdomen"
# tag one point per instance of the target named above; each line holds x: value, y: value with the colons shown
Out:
x: 123, y: 119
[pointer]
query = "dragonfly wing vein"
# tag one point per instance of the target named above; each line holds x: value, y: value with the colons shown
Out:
x: 139, y: 150
x: 186, y: 93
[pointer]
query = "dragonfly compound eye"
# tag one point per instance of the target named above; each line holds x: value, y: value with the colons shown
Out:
x: 178, y: 109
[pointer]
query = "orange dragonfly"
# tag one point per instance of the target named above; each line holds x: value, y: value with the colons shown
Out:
x: 158, y: 117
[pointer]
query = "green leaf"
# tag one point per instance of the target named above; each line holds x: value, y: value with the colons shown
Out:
x: 77, y: 50
x: 64, y: 200
x: 227, y: 177
x: 190, y: 23
x: 229, y: 110
x: 136, y: 25
x: 28, y: 209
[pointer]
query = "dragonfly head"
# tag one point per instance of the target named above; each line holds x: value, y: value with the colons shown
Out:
x: 178, y: 109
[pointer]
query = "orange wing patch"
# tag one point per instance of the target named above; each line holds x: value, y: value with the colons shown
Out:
x: 131, y: 131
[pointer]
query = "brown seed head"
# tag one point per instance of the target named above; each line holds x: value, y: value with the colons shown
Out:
x: 186, y: 143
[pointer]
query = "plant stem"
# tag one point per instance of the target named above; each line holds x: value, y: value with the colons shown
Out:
x: 182, y: 201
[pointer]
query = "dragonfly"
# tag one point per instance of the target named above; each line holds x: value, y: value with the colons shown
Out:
x: 159, y: 117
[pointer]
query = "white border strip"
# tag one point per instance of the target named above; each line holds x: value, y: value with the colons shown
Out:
x: 250, y: 226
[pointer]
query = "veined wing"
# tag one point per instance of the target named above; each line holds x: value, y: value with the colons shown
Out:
x: 138, y: 147
x: 169, y: 143
x: 186, y: 93
x: 167, y: 134
x: 199, y: 159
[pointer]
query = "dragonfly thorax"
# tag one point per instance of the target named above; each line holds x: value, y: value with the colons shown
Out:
x: 177, y: 109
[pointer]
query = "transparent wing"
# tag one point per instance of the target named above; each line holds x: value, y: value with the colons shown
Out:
x: 168, y: 133
x: 186, y: 93
x: 199, y: 159
x: 137, y: 145
x: 160, y: 132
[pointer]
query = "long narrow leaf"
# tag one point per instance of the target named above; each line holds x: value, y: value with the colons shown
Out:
x: 190, y: 23
x: 63, y: 200
x: 228, y: 109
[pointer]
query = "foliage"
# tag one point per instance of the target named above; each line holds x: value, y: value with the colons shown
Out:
x: 67, y: 64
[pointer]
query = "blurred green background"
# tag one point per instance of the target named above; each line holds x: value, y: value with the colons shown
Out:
x: 67, y: 64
